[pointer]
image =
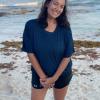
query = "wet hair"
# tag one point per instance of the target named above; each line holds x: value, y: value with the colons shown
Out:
x: 62, y: 19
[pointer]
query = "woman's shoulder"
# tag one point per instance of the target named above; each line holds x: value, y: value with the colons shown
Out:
x: 67, y: 28
x: 31, y: 22
x: 67, y: 31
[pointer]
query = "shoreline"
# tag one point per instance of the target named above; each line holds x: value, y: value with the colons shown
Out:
x: 83, y: 49
x: 77, y: 44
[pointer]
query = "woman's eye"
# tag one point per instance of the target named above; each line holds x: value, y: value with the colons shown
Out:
x: 62, y: 7
x: 55, y: 3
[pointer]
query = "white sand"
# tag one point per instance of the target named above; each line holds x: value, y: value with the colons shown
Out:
x: 15, y: 83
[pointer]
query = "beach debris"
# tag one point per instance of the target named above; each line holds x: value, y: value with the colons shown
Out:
x: 3, y: 14
x: 16, y: 11
x: 10, y: 45
x: 6, y: 65
x: 85, y: 73
x: 28, y: 61
x: 74, y: 71
x: 86, y: 44
x: 7, y: 53
x: 78, y: 45
x: 95, y: 67
x: 83, y: 53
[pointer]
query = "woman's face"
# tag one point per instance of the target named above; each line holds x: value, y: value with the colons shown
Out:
x: 55, y: 8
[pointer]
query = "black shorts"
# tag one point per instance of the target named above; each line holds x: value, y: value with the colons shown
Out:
x: 62, y: 81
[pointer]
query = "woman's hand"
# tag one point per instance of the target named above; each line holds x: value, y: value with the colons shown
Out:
x: 43, y: 79
x: 48, y: 82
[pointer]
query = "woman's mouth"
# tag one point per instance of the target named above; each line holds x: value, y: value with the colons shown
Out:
x: 55, y: 12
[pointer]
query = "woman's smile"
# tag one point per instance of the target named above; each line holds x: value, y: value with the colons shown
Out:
x: 55, y: 12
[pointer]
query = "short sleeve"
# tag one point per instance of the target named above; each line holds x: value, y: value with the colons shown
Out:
x: 69, y: 43
x: 27, y: 44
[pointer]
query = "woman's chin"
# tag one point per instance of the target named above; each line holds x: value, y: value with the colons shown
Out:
x: 55, y: 16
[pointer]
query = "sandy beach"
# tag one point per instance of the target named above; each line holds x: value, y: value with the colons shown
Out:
x: 15, y: 74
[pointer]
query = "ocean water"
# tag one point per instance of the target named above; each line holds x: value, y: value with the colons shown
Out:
x: 84, y: 16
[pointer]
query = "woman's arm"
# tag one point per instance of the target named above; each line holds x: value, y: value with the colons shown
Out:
x: 51, y: 80
x: 36, y: 65
x: 69, y: 50
x: 61, y: 68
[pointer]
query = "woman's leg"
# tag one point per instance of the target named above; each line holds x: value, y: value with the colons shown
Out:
x: 60, y: 88
x: 59, y: 94
x: 38, y: 94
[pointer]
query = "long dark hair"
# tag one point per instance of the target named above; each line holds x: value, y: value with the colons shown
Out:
x: 62, y: 20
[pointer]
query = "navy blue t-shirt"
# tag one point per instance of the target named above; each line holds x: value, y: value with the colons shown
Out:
x: 49, y: 47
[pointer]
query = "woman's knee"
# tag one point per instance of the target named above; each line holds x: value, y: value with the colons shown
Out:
x: 59, y: 94
x: 38, y: 94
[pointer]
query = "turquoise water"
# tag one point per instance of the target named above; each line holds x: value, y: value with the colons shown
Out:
x: 84, y: 16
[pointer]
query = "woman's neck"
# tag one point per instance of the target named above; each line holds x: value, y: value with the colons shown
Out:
x: 51, y: 21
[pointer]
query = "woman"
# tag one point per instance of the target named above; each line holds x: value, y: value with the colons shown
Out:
x: 49, y: 44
